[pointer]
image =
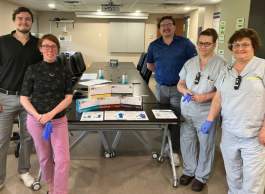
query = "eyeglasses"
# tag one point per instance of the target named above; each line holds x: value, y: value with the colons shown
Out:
x: 204, y: 44
x: 197, y: 78
x: 237, y: 82
x: 28, y: 19
x: 166, y: 25
x: 238, y: 46
x: 45, y: 46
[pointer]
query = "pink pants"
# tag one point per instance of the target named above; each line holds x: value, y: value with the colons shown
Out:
x: 53, y: 155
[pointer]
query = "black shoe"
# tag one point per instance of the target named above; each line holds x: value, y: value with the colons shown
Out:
x: 197, y: 185
x: 185, y: 179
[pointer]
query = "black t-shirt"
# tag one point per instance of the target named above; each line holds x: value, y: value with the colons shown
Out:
x: 47, y: 84
x: 14, y: 60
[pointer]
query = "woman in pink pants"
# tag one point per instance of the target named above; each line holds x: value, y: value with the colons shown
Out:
x: 45, y: 94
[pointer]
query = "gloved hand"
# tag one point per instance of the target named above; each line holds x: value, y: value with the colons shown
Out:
x: 47, y: 130
x: 206, y: 126
x: 187, y: 98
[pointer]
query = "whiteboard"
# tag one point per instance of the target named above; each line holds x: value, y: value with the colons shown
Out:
x: 127, y: 37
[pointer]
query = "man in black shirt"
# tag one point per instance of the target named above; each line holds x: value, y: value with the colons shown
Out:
x: 18, y: 50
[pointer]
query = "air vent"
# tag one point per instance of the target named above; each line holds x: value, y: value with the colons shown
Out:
x: 176, y: 2
x: 110, y: 7
x: 72, y: 2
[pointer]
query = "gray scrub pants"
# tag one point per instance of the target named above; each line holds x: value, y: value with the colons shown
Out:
x: 244, y: 160
x: 12, y: 109
x: 170, y: 95
x: 197, y: 149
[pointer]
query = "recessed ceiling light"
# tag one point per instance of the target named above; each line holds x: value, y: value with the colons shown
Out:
x: 187, y: 8
x: 51, y: 5
x: 216, y: 1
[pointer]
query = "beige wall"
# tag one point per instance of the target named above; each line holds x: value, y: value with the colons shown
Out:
x: 194, y: 24
x: 6, y: 10
x: 6, y: 24
x: 202, y: 17
x: 230, y: 11
x: 208, y: 15
x: 90, y: 36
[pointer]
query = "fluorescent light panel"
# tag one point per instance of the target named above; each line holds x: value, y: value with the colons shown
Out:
x: 109, y: 15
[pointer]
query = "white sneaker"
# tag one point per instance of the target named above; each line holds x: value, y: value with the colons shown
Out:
x: 175, y: 156
x: 2, y: 186
x: 27, y: 179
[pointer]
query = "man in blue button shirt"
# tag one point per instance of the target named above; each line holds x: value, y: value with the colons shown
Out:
x: 166, y: 56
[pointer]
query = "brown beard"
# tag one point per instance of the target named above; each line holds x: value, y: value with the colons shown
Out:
x: 23, y: 31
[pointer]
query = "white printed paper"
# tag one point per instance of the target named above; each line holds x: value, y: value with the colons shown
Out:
x: 164, y: 114
x: 94, y: 82
x: 92, y: 116
x: 88, y: 76
x: 126, y: 115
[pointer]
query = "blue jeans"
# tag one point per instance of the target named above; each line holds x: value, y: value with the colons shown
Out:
x: 12, y: 109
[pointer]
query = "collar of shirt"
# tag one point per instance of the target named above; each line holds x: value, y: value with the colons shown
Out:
x: 161, y: 41
x: 12, y: 36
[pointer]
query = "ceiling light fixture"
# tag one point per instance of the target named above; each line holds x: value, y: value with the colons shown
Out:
x: 187, y: 8
x: 51, y: 5
x: 110, y: 15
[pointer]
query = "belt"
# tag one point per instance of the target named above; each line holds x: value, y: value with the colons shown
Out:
x: 169, y: 85
x: 8, y: 92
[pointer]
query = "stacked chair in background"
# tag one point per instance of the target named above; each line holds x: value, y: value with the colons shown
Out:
x: 142, y: 68
x: 75, y: 63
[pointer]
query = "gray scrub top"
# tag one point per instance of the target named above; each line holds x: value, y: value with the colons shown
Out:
x: 206, y: 84
x: 243, y: 109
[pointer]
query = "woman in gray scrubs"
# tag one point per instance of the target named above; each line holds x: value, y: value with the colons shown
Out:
x: 240, y: 97
x: 197, y: 79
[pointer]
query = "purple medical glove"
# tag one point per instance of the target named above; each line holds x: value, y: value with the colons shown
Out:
x: 206, y: 126
x: 186, y: 98
x: 47, y: 130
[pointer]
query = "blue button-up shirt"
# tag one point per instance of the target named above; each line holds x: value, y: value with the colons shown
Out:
x: 169, y: 59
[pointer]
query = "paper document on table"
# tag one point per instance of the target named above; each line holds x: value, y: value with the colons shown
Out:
x: 94, y: 82
x: 115, y: 115
x: 92, y: 116
x: 88, y: 76
x: 164, y: 114
x: 136, y: 116
x: 126, y: 115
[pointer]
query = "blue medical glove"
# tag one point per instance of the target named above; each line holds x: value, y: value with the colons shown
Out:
x: 206, y: 126
x: 47, y: 130
x: 186, y: 98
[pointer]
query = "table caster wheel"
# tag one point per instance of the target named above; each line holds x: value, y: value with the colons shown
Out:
x: 160, y: 159
x: 36, y: 186
x: 107, y: 155
x: 155, y: 155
